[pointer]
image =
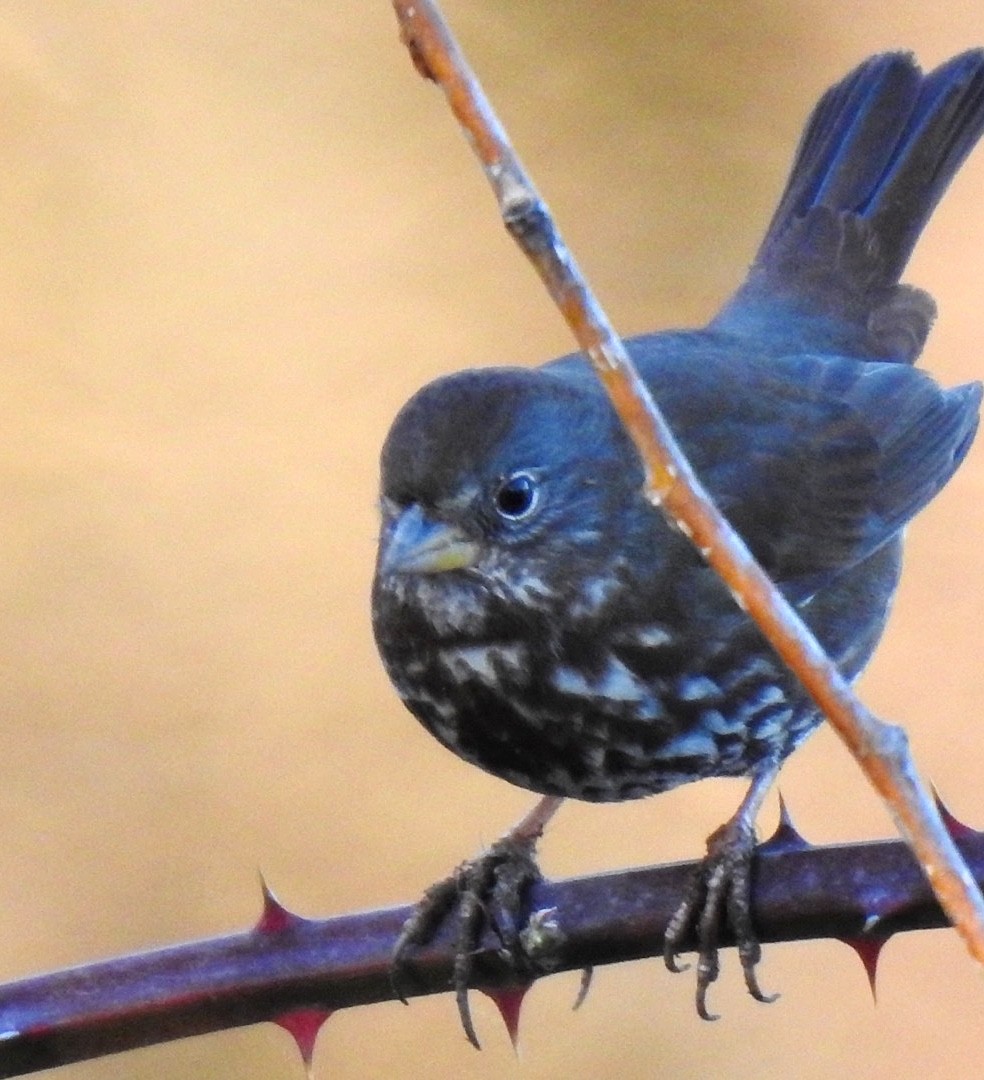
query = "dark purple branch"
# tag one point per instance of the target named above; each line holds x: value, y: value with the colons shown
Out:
x: 855, y: 891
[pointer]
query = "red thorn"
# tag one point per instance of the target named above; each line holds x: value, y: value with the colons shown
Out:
x: 303, y: 1026
x: 509, y: 1001
x: 786, y: 837
x: 274, y: 917
x: 956, y: 828
x: 868, y: 946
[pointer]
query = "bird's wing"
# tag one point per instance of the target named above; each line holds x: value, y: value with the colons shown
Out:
x: 818, y: 461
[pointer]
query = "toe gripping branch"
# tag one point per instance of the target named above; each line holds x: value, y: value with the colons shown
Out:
x: 719, y: 895
x: 489, y: 891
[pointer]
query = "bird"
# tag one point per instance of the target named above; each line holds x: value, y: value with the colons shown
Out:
x: 547, y: 624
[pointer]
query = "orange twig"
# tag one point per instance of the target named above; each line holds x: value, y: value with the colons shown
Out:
x: 880, y: 749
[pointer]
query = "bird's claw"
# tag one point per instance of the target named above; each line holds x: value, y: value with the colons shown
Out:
x: 719, y: 893
x: 488, y: 891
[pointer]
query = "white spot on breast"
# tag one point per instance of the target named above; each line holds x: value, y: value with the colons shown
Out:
x: 635, y: 753
x: 568, y: 680
x: 440, y: 717
x: 773, y: 725
x: 769, y: 694
x: 486, y: 662
x: 513, y: 657
x: 697, y: 688
x: 593, y: 596
x: 473, y: 661
x: 614, y: 683
x: 516, y: 581
x: 653, y: 636
x: 439, y: 708
x: 560, y: 779
x: 619, y: 684
x: 693, y: 743
x: 594, y: 757
x: 716, y: 721
x: 450, y: 607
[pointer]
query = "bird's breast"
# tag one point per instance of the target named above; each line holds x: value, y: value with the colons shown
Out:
x: 597, y: 719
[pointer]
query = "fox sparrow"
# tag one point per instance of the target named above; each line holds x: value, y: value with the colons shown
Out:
x: 546, y: 624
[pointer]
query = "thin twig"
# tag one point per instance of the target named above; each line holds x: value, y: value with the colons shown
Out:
x: 880, y: 749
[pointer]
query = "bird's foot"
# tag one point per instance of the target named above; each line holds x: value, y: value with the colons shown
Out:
x: 489, y: 891
x: 719, y: 894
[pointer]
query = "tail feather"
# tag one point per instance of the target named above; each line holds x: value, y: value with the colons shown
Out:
x: 944, y: 127
x: 877, y: 154
x: 829, y: 169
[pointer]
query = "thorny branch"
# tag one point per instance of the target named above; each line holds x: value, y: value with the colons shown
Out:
x: 289, y: 967
x: 880, y: 749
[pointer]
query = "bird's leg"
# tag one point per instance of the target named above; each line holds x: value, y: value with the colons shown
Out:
x: 720, y: 890
x: 489, y: 890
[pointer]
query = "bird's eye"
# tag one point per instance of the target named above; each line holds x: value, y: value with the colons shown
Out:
x: 516, y: 496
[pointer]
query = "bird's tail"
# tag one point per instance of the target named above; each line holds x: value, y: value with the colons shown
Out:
x: 877, y: 154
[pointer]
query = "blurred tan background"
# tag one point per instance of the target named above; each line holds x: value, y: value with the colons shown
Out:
x: 234, y: 238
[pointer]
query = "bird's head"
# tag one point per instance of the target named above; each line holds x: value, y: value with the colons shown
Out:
x: 504, y: 480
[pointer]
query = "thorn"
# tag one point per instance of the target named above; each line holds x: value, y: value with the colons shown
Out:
x: 509, y: 1001
x: 303, y: 1026
x: 786, y: 837
x: 956, y: 828
x: 868, y: 945
x: 587, y: 974
x: 275, y: 917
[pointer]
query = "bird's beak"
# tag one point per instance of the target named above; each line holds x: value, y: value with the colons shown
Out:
x: 417, y: 545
